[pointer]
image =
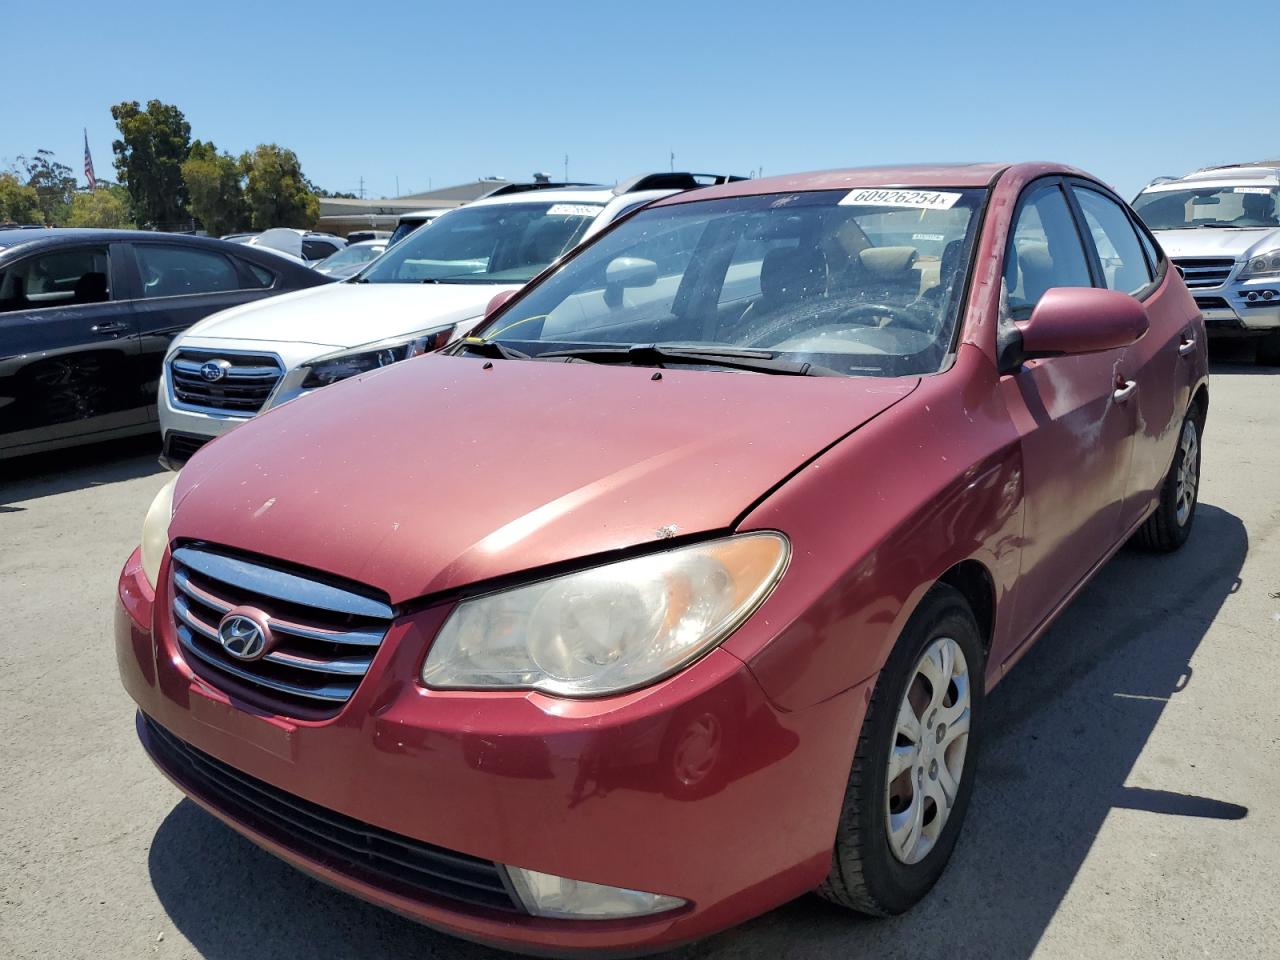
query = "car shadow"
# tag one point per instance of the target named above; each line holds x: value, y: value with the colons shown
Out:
x: 46, y: 474
x: 1063, y: 733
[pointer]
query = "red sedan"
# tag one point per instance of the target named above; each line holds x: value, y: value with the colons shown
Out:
x: 675, y: 591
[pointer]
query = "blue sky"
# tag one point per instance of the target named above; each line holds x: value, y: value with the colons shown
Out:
x: 441, y: 93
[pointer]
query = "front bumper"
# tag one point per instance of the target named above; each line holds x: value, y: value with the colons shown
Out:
x: 1240, y: 307
x: 185, y: 431
x: 697, y: 788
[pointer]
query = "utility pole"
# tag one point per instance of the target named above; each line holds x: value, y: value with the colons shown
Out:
x: 566, y: 168
x: 673, y: 161
x: 362, y: 188
x: 397, y: 184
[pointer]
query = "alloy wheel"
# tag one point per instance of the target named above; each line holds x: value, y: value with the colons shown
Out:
x: 1188, y: 472
x: 926, y: 759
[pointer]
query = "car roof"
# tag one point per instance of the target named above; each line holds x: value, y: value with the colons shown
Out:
x: 921, y: 176
x: 599, y: 195
x: 28, y: 241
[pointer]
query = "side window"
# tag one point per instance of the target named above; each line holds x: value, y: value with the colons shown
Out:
x: 317, y: 249
x: 1153, y: 255
x: 60, y: 278
x: 180, y: 271
x: 1044, y: 250
x: 1124, y: 265
x: 256, y: 277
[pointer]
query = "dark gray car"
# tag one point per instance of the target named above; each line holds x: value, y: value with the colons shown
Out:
x: 87, y: 315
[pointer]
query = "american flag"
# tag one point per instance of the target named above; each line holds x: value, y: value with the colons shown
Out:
x: 88, y: 164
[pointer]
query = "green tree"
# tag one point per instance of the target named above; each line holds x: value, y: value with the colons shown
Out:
x: 108, y: 206
x: 214, y: 186
x: 19, y: 203
x: 53, y: 183
x: 276, y: 191
x: 148, y: 157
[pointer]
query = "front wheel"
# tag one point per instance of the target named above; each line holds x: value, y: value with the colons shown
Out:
x: 1169, y: 526
x: 913, y: 770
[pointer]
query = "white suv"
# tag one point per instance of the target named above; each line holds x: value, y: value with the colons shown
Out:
x: 1221, y: 228
x: 424, y: 292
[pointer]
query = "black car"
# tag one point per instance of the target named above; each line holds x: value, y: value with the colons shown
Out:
x: 87, y: 315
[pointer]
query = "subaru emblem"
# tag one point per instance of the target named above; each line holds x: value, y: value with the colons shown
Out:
x: 214, y: 370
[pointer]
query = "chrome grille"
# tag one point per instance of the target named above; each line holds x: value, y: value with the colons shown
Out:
x: 325, y: 636
x: 248, y: 380
x: 1201, y: 273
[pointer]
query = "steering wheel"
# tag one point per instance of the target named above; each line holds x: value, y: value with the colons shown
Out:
x: 919, y: 317
x: 913, y: 316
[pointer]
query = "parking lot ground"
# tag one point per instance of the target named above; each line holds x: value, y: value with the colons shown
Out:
x: 1128, y: 801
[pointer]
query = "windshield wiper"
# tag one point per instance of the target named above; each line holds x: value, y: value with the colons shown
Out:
x: 643, y: 354
x: 491, y: 349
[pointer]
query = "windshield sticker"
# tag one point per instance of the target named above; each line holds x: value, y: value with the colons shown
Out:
x: 919, y: 199
x: 1262, y: 190
x: 573, y: 210
x: 933, y: 237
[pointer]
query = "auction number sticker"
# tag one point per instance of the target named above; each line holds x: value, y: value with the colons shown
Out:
x: 1262, y: 190
x: 917, y: 199
x: 573, y: 210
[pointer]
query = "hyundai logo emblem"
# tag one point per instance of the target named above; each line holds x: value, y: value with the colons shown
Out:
x: 215, y: 370
x: 245, y: 634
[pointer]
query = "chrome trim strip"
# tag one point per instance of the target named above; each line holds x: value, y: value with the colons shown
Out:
x: 192, y: 369
x: 183, y: 612
x: 347, y: 667
x: 280, y: 585
x: 329, y: 694
x: 182, y: 582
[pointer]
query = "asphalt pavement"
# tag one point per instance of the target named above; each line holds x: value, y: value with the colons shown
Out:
x: 1128, y: 801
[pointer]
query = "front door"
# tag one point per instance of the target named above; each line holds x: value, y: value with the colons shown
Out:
x: 68, y: 350
x: 1075, y: 414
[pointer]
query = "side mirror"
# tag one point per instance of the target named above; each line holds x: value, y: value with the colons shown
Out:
x: 497, y: 302
x: 1072, y: 320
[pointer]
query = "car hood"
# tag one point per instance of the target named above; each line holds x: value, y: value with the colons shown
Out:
x: 347, y: 314
x: 1211, y: 242
x: 436, y: 473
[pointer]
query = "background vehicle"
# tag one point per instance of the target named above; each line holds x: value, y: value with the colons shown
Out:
x: 357, y: 236
x: 310, y: 246
x: 1221, y: 227
x: 421, y: 293
x: 351, y: 259
x: 410, y: 222
x: 693, y: 608
x: 87, y: 315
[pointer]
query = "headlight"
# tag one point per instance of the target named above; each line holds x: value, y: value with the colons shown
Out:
x: 610, y: 628
x: 347, y: 363
x: 1263, y: 265
x: 155, y: 531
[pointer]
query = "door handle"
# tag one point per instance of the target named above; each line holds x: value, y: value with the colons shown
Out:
x: 1122, y: 393
x: 113, y: 326
x: 1187, y: 346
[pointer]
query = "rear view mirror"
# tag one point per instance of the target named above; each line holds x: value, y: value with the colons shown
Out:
x: 625, y: 272
x: 1073, y: 320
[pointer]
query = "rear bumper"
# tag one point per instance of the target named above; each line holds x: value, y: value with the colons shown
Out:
x: 697, y: 788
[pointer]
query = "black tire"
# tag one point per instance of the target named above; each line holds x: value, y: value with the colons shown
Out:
x: 865, y: 874
x: 1268, y: 354
x: 1164, y: 531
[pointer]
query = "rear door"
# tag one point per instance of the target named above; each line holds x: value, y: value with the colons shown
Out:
x: 1073, y: 413
x: 68, y: 347
x: 178, y: 285
x: 1159, y: 362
